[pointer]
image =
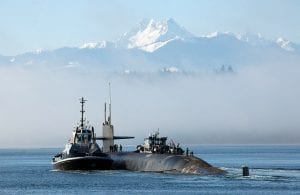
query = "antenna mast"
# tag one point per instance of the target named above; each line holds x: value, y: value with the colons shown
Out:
x: 109, y: 119
x: 105, y: 121
x: 82, y: 101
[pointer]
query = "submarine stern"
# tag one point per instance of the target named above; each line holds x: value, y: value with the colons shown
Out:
x: 166, y: 163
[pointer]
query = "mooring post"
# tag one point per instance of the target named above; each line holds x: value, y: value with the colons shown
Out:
x: 245, y: 171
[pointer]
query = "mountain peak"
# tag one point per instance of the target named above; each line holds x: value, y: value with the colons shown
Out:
x: 254, y: 39
x: 150, y: 35
x: 285, y: 44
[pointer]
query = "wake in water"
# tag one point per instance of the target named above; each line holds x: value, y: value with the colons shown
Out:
x: 277, y: 174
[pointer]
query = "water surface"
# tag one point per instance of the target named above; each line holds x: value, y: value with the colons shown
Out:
x: 274, y: 169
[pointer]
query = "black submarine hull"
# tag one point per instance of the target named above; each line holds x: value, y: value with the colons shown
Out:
x: 167, y: 163
x: 145, y: 162
x: 83, y: 163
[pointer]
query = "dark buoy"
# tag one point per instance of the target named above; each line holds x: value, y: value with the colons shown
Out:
x: 245, y: 171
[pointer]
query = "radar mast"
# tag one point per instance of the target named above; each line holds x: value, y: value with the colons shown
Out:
x: 82, y: 101
x: 109, y: 115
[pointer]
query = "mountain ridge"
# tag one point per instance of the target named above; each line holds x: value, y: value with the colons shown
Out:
x: 157, y: 45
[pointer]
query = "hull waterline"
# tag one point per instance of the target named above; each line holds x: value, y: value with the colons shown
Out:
x: 84, y: 163
x: 167, y: 163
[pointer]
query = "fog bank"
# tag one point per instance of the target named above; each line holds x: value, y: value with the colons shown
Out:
x: 256, y: 105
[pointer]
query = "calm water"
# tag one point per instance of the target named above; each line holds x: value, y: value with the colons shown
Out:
x: 274, y: 170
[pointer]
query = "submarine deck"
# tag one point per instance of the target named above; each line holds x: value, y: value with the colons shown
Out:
x: 153, y: 162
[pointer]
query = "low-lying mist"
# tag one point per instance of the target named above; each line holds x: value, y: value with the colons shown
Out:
x: 255, y: 105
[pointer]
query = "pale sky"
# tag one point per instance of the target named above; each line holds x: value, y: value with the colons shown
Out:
x: 29, y: 25
x: 39, y: 108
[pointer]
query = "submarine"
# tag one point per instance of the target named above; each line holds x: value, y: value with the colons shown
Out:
x: 82, y: 151
x: 155, y: 155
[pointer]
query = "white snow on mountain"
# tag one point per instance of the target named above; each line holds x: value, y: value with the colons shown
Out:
x: 211, y: 35
x: 218, y: 34
x: 254, y: 39
x: 151, y: 35
x: 153, y: 45
x: 171, y: 69
x: 39, y: 51
x: 148, y: 35
x: 285, y: 44
x: 93, y: 45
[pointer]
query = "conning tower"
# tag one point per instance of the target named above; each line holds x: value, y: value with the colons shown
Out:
x: 108, y: 128
x: 108, y: 135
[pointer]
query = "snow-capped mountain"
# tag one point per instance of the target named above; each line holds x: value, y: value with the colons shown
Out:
x: 151, y: 35
x: 255, y: 39
x: 287, y: 45
x: 159, y: 45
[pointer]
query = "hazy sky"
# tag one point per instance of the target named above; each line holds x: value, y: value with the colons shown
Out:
x: 48, y: 24
x: 40, y: 107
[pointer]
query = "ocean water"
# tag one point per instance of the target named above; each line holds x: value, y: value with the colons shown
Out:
x: 274, y: 169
